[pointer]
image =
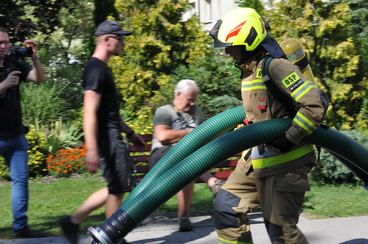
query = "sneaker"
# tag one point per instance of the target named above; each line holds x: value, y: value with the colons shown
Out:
x: 26, y: 232
x: 185, y: 224
x: 69, y: 229
x: 217, y: 186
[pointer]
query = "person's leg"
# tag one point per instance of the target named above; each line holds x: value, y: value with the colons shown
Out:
x: 282, y: 198
x: 70, y: 224
x: 237, y: 197
x: 113, y: 203
x: 184, y: 197
x: 18, y: 162
x: 117, y: 173
x: 93, y: 202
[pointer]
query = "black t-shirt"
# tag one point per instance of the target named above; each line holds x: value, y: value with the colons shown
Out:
x: 10, y: 108
x: 98, y: 77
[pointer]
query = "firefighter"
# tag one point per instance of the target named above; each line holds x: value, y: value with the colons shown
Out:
x: 271, y: 87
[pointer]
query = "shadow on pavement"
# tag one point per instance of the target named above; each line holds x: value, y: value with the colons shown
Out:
x: 356, y: 241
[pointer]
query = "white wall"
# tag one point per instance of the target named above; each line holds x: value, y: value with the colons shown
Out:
x: 209, y: 11
x: 212, y: 10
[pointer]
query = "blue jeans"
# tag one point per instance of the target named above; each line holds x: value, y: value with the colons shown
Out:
x: 14, y: 150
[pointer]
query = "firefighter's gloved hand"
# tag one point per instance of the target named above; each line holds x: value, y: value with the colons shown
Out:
x: 281, y: 143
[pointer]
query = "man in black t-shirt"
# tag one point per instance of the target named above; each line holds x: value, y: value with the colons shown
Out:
x: 102, y: 130
x: 13, y: 144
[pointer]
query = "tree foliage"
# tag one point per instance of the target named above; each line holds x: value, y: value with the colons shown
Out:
x: 325, y: 30
x: 359, y: 13
x: 256, y: 4
x: 218, y: 80
x: 64, y: 51
x: 160, y: 44
x: 104, y: 9
x: 24, y: 18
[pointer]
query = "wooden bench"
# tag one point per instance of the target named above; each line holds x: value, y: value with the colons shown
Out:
x: 140, y: 159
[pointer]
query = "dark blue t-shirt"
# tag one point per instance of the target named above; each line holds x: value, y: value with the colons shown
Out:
x: 10, y: 106
x: 98, y: 77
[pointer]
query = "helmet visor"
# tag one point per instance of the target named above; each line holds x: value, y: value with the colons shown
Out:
x: 214, y: 34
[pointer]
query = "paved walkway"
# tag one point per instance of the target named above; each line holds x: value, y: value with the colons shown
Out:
x: 160, y: 229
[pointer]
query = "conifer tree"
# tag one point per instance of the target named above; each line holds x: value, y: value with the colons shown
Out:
x: 162, y: 41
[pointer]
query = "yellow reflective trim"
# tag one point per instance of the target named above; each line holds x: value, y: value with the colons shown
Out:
x: 254, y: 88
x: 302, y: 90
x: 303, y: 93
x: 301, y: 87
x: 296, y: 121
x: 256, y: 84
x: 261, y: 163
x: 311, y: 125
x: 224, y: 241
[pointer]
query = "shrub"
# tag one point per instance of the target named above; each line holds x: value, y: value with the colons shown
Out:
x: 4, y: 170
x: 63, y: 135
x: 143, y: 124
x: 37, y: 152
x: 67, y: 161
x: 220, y: 104
x: 43, y: 103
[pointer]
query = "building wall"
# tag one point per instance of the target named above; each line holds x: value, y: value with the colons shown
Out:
x: 209, y: 11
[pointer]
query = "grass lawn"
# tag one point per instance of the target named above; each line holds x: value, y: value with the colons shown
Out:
x: 52, y: 198
x: 336, y: 201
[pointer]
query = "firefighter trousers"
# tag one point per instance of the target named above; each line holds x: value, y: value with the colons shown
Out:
x: 237, y: 197
x: 281, y: 197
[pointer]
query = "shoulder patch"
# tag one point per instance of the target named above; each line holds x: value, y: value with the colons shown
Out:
x: 291, y: 79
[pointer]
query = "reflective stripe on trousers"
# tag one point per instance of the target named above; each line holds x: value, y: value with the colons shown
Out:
x: 224, y: 241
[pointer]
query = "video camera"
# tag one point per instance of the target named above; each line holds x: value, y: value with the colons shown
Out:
x: 21, y: 52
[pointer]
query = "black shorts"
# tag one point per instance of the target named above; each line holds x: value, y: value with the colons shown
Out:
x: 115, y: 161
x: 157, y: 154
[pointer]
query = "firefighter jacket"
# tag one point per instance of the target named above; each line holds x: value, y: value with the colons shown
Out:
x: 306, y: 111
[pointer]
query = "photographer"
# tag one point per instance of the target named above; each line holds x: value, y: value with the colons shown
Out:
x: 13, y: 144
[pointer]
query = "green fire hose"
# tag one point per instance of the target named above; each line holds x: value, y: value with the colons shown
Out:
x: 159, y: 191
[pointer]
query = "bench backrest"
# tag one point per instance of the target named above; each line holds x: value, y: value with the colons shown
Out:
x: 140, y: 160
